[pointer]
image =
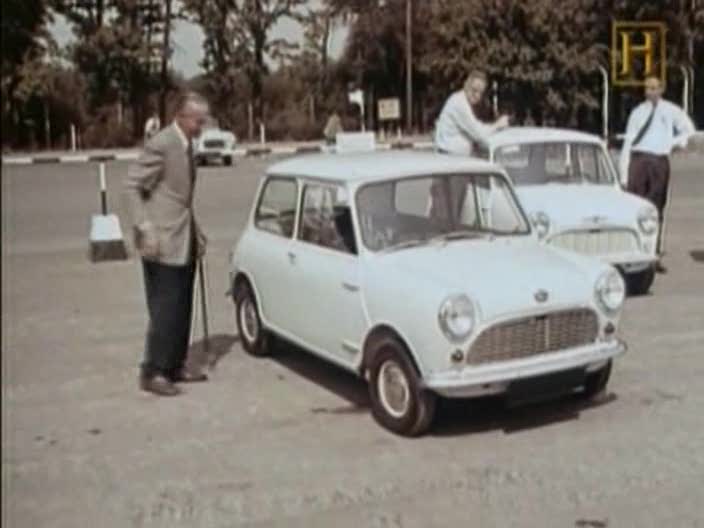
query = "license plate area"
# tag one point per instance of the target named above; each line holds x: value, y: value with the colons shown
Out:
x: 545, y: 386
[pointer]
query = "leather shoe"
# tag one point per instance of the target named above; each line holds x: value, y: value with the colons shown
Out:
x: 158, y: 385
x: 185, y: 375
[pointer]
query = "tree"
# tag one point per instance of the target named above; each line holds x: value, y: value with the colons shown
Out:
x: 237, y: 37
x: 24, y: 39
x: 546, y: 58
x: 122, y: 50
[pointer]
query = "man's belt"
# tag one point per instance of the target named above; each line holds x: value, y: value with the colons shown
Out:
x: 641, y: 154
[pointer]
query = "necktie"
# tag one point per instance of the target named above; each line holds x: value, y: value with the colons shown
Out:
x: 645, y: 126
x: 191, y: 164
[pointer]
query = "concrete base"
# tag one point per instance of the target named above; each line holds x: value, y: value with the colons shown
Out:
x: 106, y: 241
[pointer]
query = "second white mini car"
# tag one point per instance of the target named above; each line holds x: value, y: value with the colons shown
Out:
x: 420, y: 272
x: 569, y: 186
x: 215, y: 145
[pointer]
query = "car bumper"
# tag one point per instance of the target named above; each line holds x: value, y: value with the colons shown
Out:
x: 495, y: 378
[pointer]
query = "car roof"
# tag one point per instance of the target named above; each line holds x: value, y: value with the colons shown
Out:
x: 377, y: 166
x: 517, y: 135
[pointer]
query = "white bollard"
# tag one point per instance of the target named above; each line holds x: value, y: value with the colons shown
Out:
x: 106, y: 241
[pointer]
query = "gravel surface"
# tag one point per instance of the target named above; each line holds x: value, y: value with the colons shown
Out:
x: 289, y: 441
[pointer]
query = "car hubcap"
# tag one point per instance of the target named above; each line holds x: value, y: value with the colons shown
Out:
x: 250, y: 323
x: 394, y: 391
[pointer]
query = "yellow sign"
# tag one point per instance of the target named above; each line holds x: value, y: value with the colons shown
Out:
x: 637, y: 51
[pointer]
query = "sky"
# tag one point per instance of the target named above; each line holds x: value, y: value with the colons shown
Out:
x: 188, y: 40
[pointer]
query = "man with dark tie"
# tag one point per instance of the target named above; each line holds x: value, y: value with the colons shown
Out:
x: 655, y: 127
x: 160, y: 187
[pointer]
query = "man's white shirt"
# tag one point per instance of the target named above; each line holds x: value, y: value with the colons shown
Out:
x: 670, y: 127
x: 457, y: 127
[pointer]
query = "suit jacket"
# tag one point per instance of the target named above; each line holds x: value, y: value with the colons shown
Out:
x: 159, y: 189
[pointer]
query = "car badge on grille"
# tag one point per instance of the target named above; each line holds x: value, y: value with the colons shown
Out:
x: 541, y: 296
x: 596, y: 219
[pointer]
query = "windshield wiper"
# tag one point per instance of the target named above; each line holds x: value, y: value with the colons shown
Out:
x: 406, y: 244
x: 461, y: 234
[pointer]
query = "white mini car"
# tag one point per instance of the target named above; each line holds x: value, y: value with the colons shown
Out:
x: 215, y: 145
x: 347, y: 256
x: 570, y: 189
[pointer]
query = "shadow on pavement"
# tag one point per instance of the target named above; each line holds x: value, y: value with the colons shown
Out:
x: 218, y: 345
x: 453, y: 417
x: 697, y: 255
x: 462, y: 416
x: 326, y: 375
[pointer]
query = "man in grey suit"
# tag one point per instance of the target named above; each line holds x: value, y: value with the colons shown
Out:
x: 160, y: 187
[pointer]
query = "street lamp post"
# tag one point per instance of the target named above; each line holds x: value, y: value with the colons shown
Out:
x: 605, y: 102
x: 409, y: 68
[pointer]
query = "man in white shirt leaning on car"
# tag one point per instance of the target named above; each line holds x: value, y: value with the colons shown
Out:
x: 458, y: 128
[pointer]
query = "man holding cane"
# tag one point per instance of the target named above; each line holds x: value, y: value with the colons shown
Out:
x: 655, y: 127
x: 160, y: 187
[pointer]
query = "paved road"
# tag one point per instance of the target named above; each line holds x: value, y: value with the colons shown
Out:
x: 289, y: 441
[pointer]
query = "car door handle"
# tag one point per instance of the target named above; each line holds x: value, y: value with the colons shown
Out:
x: 350, y: 287
x: 291, y: 257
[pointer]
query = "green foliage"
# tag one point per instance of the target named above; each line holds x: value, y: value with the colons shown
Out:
x: 237, y: 38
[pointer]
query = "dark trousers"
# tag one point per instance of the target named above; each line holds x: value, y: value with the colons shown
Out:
x: 169, y: 291
x: 649, y: 177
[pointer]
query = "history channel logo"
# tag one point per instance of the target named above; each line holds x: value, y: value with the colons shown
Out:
x: 638, y: 50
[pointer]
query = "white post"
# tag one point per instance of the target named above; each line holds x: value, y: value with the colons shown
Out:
x: 692, y: 78
x: 262, y: 133
x: 73, y: 137
x: 496, y: 98
x: 605, y: 102
x: 685, y: 89
x: 103, y: 189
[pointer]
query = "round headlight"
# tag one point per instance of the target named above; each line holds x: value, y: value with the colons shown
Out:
x: 456, y: 318
x: 648, y: 220
x: 541, y: 222
x: 610, y: 291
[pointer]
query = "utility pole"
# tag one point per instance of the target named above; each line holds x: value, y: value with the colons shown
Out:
x: 165, y: 53
x: 409, y: 68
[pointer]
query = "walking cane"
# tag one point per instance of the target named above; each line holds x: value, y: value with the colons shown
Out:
x: 200, y: 302
x: 204, y: 304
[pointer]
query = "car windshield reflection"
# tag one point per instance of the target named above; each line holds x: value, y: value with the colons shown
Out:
x: 410, y: 212
x: 559, y: 162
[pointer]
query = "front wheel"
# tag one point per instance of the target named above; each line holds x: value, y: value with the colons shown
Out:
x: 399, y: 403
x: 596, y: 382
x: 639, y: 283
x: 227, y: 161
x: 254, y: 337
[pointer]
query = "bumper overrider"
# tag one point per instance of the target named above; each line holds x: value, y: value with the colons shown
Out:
x: 494, y: 378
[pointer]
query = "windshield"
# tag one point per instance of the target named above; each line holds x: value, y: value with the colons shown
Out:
x: 420, y: 210
x: 536, y: 163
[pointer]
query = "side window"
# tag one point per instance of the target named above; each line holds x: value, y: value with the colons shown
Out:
x: 276, y: 211
x: 588, y: 168
x: 504, y: 216
x: 326, y: 218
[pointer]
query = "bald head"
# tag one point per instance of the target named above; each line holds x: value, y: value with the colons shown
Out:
x: 192, y: 111
x: 653, y: 88
x: 474, y: 86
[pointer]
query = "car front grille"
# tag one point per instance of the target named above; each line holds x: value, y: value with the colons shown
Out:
x: 530, y: 336
x: 214, y: 143
x: 597, y: 242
